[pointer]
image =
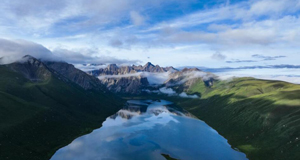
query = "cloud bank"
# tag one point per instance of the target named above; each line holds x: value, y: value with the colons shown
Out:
x: 171, y: 92
x: 11, y: 51
x: 153, y: 78
x: 14, y: 50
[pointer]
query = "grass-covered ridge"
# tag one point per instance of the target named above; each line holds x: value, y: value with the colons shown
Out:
x: 37, y: 118
x: 258, y: 117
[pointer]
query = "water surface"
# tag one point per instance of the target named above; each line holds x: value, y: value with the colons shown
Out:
x: 144, y: 130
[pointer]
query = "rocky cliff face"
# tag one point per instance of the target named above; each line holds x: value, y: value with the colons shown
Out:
x: 69, y: 72
x: 31, y: 68
x: 133, y: 84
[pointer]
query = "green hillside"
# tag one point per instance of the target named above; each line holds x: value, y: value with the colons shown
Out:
x: 258, y: 117
x: 37, y: 118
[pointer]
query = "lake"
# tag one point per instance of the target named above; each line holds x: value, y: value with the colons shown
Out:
x: 145, y: 129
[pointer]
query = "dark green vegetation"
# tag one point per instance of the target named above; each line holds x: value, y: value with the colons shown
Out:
x: 42, y: 110
x: 260, y: 118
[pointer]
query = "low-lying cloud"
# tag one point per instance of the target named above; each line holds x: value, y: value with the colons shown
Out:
x: 168, y: 91
x: 156, y: 78
x: 14, y: 50
x: 89, y: 67
x: 193, y: 75
x: 171, y: 92
x: 267, y: 58
x: 120, y: 76
x: 184, y: 95
x: 153, y: 78
x: 291, y: 75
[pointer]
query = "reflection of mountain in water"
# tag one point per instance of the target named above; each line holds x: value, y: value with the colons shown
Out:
x: 146, y: 129
x: 135, y: 109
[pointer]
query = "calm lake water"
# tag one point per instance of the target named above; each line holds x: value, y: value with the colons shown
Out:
x: 144, y: 130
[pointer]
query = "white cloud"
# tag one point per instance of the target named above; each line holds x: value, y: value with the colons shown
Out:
x: 184, y: 95
x: 153, y: 78
x: 120, y: 76
x: 267, y: 7
x: 218, y: 56
x: 193, y: 75
x: 13, y: 50
x: 284, y: 74
x: 89, y: 67
x: 246, y: 29
x: 168, y: 91
x: 235, y: 29
x: 156, y: 78
x: 171, y: 92
x: 136, y: 18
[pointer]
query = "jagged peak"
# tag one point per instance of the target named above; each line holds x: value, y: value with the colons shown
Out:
x: 112, y: 66
x: 148, y: 64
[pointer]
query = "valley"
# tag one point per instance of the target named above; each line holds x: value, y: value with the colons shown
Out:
x: 45, y: 105
x: 145, y: 129
x: 258, y: 117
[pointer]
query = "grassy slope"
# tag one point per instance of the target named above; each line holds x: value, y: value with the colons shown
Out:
x: 259, y: 117
x: 38, y: 118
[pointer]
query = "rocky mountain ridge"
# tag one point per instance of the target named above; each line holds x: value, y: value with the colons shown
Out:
x: 113, y: 69
x: 37, y: 71
x: 134, y: 79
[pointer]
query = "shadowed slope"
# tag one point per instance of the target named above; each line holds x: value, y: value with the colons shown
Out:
x: 38, y: 117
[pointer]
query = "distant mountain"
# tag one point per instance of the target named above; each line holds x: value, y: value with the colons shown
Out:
x: 45, y: 105
x: 113, y: 69
x: 132, y: 79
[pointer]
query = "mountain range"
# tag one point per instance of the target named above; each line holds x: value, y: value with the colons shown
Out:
x: 44, y: 105
x: 134, y: 79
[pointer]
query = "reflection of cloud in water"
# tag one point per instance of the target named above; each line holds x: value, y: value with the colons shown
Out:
x: 147, y: 135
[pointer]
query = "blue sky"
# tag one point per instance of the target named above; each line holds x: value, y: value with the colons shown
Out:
x: 215, y: 34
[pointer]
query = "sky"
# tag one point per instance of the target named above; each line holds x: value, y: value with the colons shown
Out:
x: 210, y: 33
